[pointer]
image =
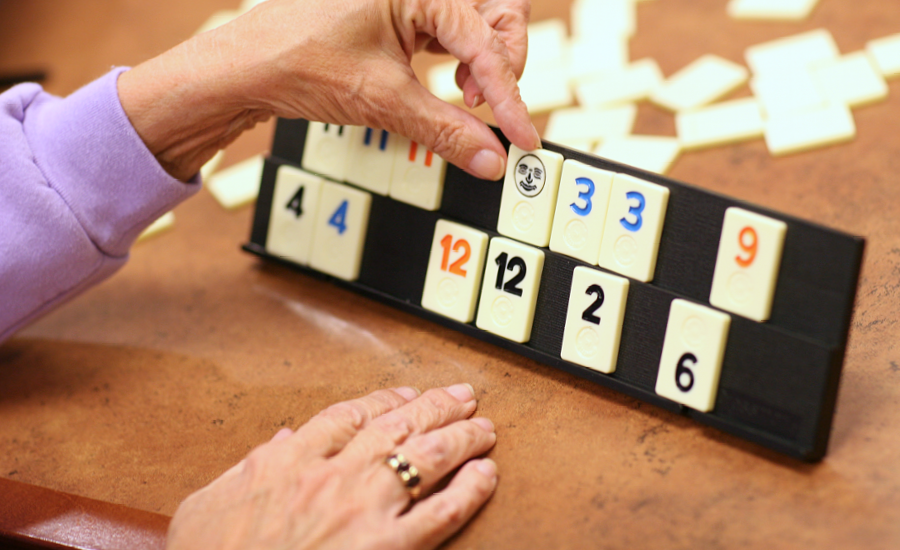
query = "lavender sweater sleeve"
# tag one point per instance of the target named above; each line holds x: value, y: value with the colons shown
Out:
x: 77, y: 186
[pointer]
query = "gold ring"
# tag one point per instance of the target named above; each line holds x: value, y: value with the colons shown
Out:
x: 408, y: 474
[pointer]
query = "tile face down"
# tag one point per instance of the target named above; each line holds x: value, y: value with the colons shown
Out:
x: 578, y: 124
x: 773, y: 10
x: 635, y: 82
x: 792, y: 53
x: 692, y: 355
x: 809, y: 130
x: 455, y: 266
x: 593, y: 55
x: 545, y: 88
x: 885, y: 53
x: 238, y: 184
x: 651, y: 153
x: 852, y: 80
x: 719, y: 124
x: 787, y: 93
x: 442, y: 81
x: 700, y: 83
x: 512, y: 277
x: 163, y: 223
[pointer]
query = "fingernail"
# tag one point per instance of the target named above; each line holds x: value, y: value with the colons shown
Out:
x: 537, y: 138
x: 487, y: 467
x: 479, y: 99
x: 487, y: 164
x: 283, y: 433
x: 408, y: 393
x: 484, y: 423
x: 462, y: 392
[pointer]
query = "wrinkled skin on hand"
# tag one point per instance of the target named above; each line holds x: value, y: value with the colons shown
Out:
x: 326, y: 486
x: 342, y: 62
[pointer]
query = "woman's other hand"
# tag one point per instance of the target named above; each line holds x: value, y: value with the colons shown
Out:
x: 328, y: 485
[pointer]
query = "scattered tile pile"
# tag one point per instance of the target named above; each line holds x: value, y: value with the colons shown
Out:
x: 803, y: 87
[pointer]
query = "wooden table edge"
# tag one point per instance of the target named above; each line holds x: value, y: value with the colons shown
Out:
x: 36, y: 517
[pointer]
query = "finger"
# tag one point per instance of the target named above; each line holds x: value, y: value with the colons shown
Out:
x: 511, y: 23
x: 441, y: 451
x: 282, y: 434
x: 471, y: 92
x: 483, y: 50
x: 433, y: 520
x: 471, y: 89
x: 454, y: 134
x: 432, y: 410
x: 330, y: 430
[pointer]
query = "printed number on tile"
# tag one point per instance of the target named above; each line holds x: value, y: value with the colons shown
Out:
x: 747, y: 240
x: 589, y: 314
x: 339, y: 218
x: 684, y: 376
x: 583, y: 210
x: 457, y: 267
x: 295, y: 205
x: 634, y: 211
x: 504, y: 264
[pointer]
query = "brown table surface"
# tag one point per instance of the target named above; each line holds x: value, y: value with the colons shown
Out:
x: 148, y: 387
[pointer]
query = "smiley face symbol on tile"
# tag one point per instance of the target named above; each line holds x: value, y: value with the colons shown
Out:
x: 530, y: 175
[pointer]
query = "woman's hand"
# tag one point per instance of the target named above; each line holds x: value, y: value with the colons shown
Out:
x: 343, y: 62
x: 327, y: 484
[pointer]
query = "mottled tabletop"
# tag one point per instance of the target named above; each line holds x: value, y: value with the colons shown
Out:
x: 146, y: 388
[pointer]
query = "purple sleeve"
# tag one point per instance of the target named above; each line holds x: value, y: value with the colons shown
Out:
x: 77, y: 186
